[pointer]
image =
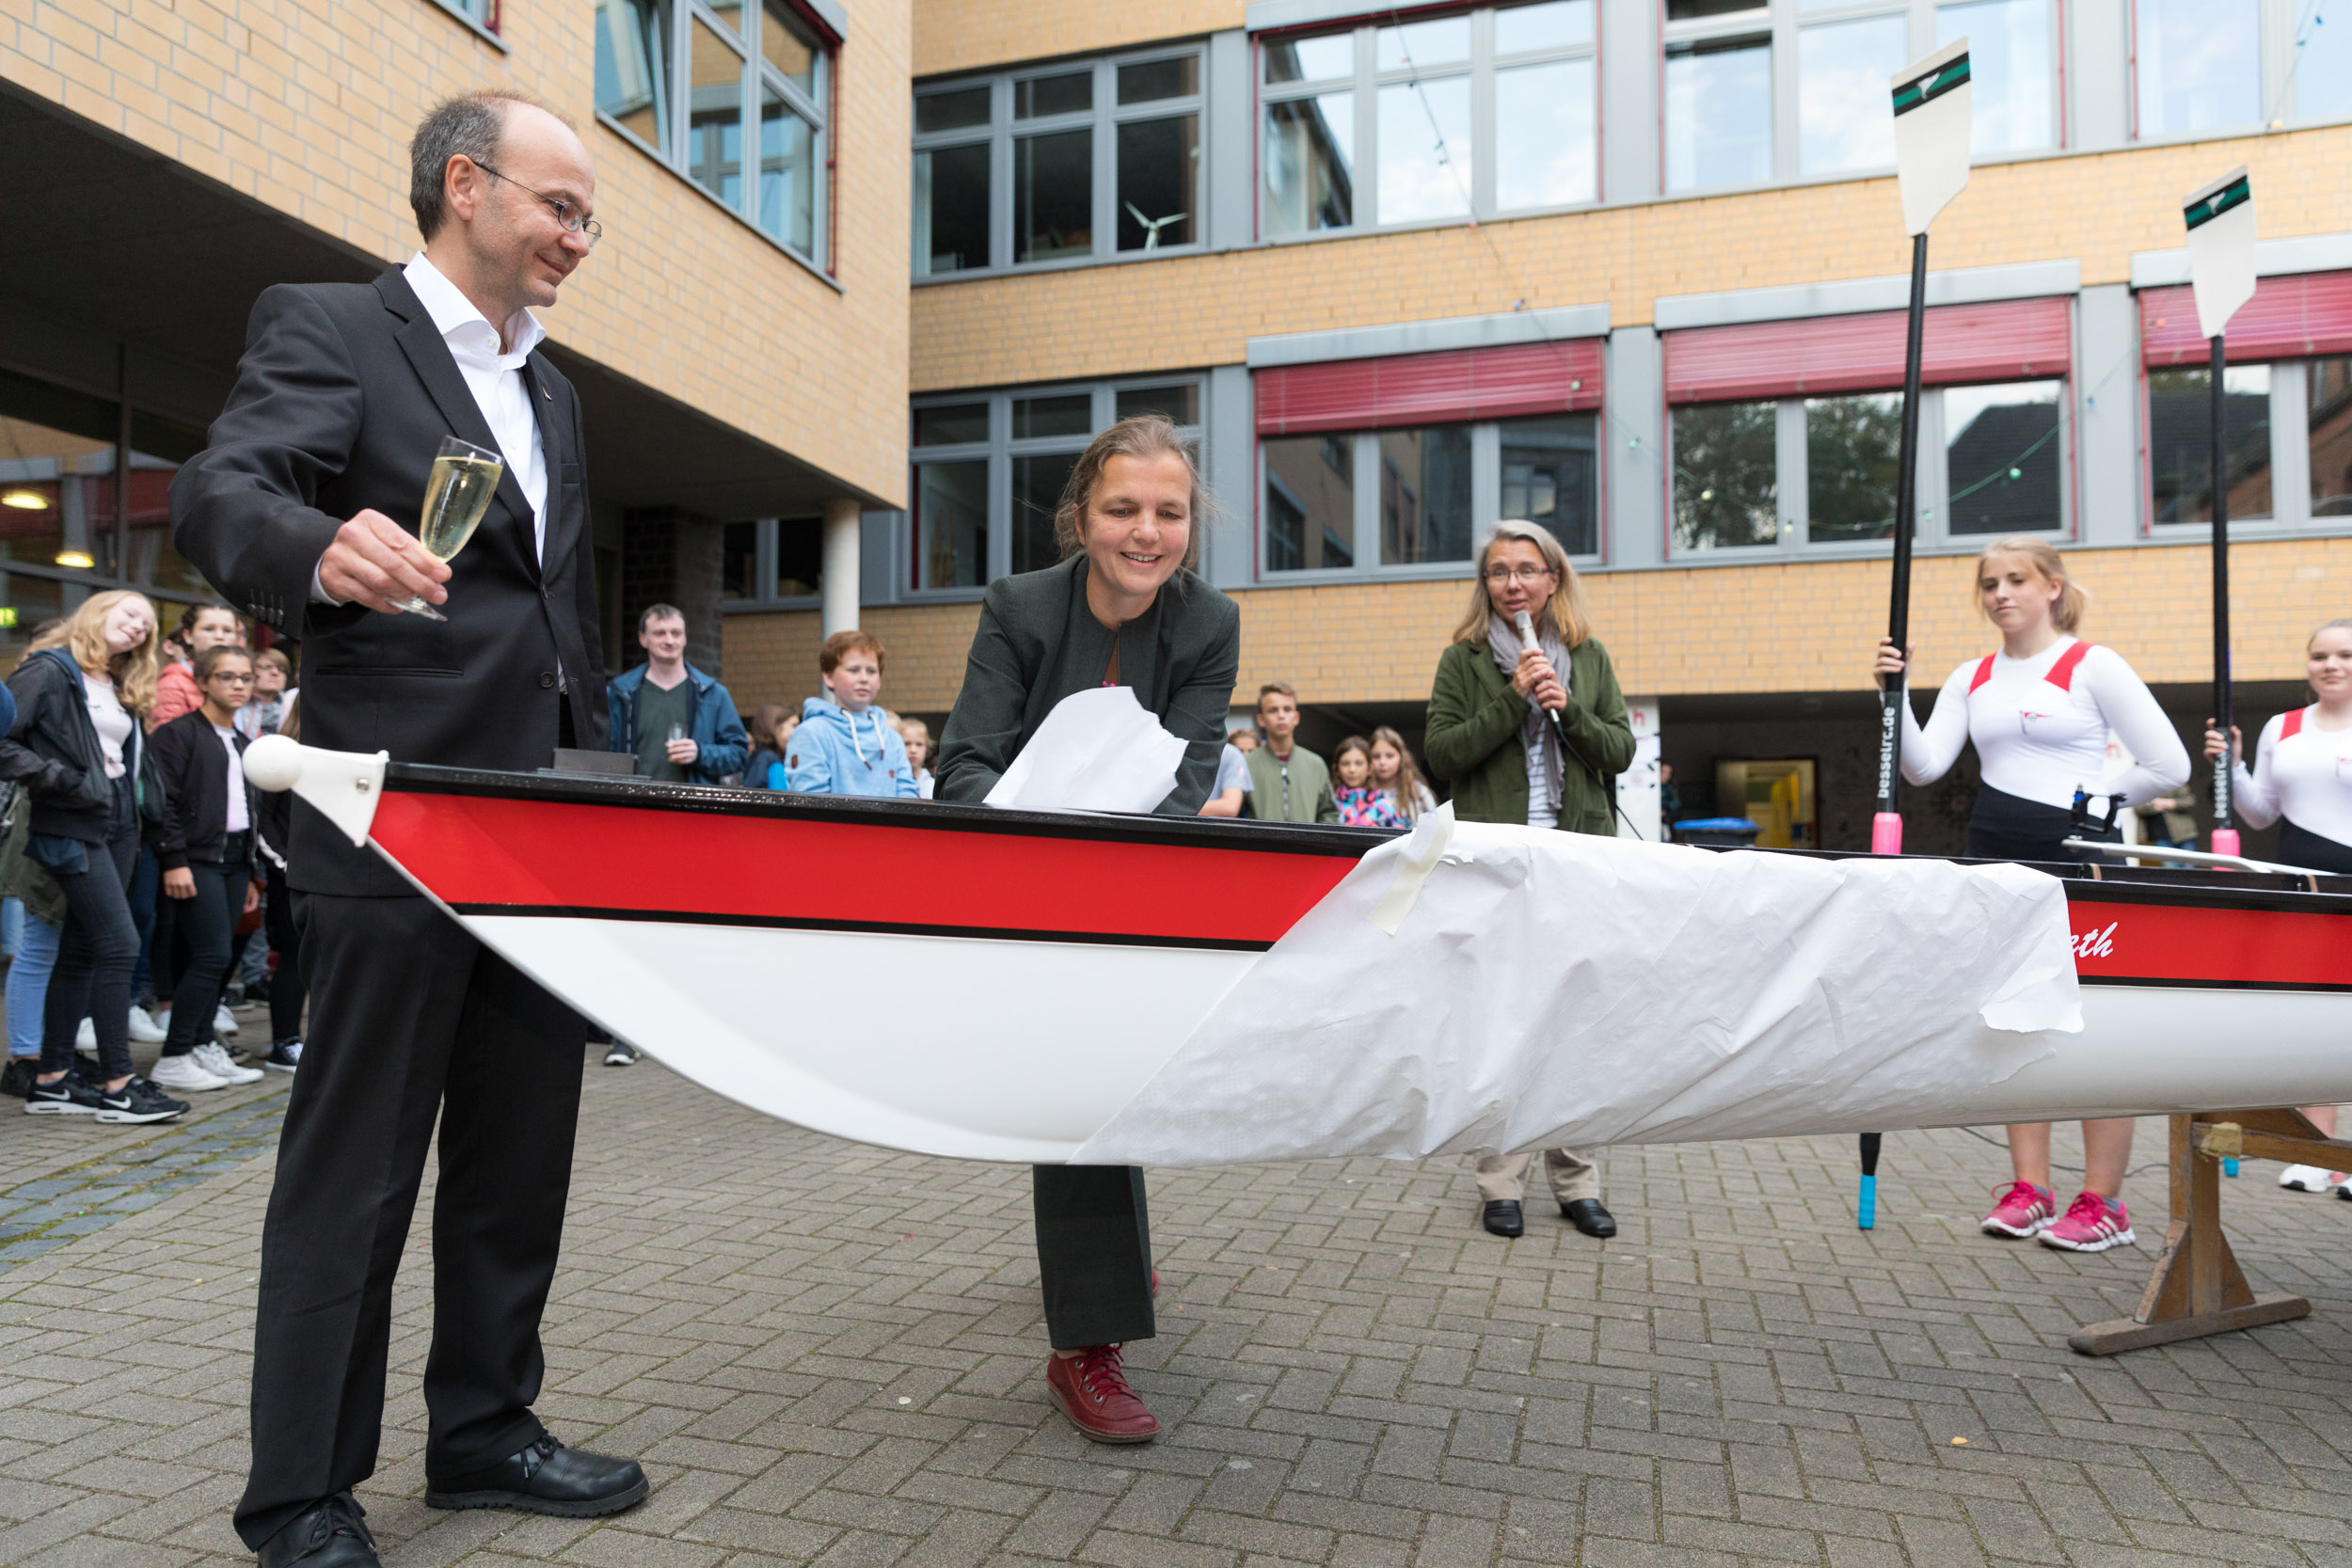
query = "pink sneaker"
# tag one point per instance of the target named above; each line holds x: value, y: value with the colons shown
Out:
x: 2092, y: 1223
x: 2022, y: 1211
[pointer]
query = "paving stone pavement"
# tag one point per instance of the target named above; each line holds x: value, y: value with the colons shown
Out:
x: 829, y: 1354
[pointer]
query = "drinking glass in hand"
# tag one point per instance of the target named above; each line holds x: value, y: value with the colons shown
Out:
x: 464, y: 478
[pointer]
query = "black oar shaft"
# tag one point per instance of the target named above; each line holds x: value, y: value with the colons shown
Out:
x: 2221, y: 703
x: 1906, y: 511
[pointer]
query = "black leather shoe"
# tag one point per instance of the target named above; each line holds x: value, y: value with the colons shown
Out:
x: 546, y: 1478
x: 1587, y: 1216
x: 327, y: 1534
x: 1503, y: 1218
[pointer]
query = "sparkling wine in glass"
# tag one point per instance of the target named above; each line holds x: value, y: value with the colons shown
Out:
x: 464, y: 478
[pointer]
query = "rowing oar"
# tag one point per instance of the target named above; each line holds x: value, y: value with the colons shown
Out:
x: 2221, y: 219
x: 1931, y: 129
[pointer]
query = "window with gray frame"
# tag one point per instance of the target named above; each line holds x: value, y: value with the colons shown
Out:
x: 482, y: 13
x: 1484, y: 112
x: 772, y: 563
x: 1793, y: 89
x: 1419, y: 498
x: 990, y: 469
x: 2288, y: 429
x: 1070, y: 164
x: 701, y: 85
x: 1789, y: 473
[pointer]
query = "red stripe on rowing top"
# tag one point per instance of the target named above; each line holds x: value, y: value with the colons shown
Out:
x: 2290, y: 724
x: 2178, y: 942
x: 2062, y: 674
x: 479, y: 850
x: 1985, y: 673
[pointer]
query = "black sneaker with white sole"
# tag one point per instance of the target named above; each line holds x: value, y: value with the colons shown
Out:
x: 69, y: 1096
x: 18, y: 1077
x: 620, y: 1054
x: 284, y: 1055
x: 137, y: 1100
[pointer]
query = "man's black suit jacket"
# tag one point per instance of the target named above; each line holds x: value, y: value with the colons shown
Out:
x: 343, y: 397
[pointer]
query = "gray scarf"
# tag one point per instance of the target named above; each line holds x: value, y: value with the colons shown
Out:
x: 1535, y: 731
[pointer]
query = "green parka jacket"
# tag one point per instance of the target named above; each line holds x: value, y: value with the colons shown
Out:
x: 1473, y: 740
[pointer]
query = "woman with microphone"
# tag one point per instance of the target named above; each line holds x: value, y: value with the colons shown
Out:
x: 1534, y: 735
x: 2302, y: 780
x: 1124, y: 607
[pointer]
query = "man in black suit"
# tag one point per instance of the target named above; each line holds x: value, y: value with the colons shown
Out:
x: 304, y: 510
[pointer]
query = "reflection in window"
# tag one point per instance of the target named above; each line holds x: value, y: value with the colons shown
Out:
x: 1845, y: 119
x: 1179, y: 403
x: 158, y: 447
x: 2180, y: 443
x: 2002, y: 457
x: 2328, y: 384
x: 1309, y: 159
x: 1719, y: 114
x: 56, y: 481
x: 1037, y: 486
x: 788, y: 45
x: 951, y: 209
x: 1552, y: 25
x: 714, y: 148
x: 1424, y: 495
x: 1545, y: 151
x: 1850, y: 445
x: 2323, y: 63
x: 2199, y: 65
x: 1725, y: 475
x: 1309, y: 502
x: 951, y: 524
x: 1052, y: 195
x: 1159, y: 162
x: 1418, y: 46
x: 1425, y: 150
x: 1315, y: 59
x: 632, y: 68
x: 787, y: 172
x: 2012, y: 79
x: 1551, y: 476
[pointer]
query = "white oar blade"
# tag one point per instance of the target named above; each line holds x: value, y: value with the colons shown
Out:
x: 1933, y: 123
x: 2221, y: 219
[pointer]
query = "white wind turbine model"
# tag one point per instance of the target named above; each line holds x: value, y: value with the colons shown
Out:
x: 1151, y: 226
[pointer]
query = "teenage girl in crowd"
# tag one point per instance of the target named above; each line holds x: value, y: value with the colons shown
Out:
x: 2302, y: 780
x: 2040, y: 712
x: 1361, y: 803
x: 78, y: 748
x: 205, y: 847
x: 1393, y: 773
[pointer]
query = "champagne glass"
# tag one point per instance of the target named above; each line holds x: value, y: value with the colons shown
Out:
x: 464, y: 478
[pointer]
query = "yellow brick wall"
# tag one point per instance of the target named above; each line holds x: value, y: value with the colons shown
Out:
x: 306, y: 109
x: 1197, y: 310
x: 968, y: 34
x: 1794, y: 627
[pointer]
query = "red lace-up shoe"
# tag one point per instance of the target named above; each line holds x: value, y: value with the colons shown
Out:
x: 1092, y: 1392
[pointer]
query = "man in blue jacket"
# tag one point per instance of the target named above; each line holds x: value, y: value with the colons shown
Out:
x: 665, y: 696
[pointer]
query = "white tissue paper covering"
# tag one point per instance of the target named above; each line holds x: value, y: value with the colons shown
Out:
x: 1545, y: 987
x: 1097, y: 751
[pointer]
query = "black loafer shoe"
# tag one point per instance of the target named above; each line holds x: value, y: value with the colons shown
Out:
x: 547, y: 1477
x: 327, y: 1534
x: 1587, y: 1216
x: 1503, y: 1218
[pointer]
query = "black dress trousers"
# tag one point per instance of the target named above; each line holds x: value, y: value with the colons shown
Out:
x: 410, y: 1018
x: 1094, y: 1255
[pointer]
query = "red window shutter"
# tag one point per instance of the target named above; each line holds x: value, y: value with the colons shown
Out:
x: 2014, y: 340
x: 2289, y: 318
x: 1430, y: 388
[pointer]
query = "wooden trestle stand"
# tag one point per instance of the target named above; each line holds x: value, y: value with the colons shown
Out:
x: 2198, y: 1288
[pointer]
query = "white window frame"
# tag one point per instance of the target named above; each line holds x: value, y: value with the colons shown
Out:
x: 1486, y: 501
x: 1365, y: 83
x: 1000, y: 448
x: 757, y: 74
x: 1104, y: 119
x: 1931, y: 529
x: 1782, y: 20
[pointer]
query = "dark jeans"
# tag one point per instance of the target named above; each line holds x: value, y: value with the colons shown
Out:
x: 97, y: 950
x: 1094, y: 1255
x: 206, y: 921
x: 287, y: 987
x: 146, y: 887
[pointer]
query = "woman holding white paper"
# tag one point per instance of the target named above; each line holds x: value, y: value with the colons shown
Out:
x: 1123, y: 607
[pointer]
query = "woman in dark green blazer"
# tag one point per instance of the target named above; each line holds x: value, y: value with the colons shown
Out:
x: 1123, y: 608
x: 1489, y: 736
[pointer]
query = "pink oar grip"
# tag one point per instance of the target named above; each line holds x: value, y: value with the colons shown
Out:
x: 1887, y: 834
x: 2225, y: 841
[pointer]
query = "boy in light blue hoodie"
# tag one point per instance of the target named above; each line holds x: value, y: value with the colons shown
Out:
x: 844, y: 745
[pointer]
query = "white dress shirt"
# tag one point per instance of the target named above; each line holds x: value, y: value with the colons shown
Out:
x: 494, y: 379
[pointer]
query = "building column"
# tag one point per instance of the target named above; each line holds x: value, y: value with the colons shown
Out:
x: 841, y: 565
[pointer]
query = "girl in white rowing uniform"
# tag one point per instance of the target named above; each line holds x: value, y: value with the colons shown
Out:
x: 2302, y: 780
x: 2040, y: 712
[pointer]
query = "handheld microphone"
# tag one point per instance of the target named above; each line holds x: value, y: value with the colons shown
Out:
x: 1527, y: 632
x: 1527, y: 642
